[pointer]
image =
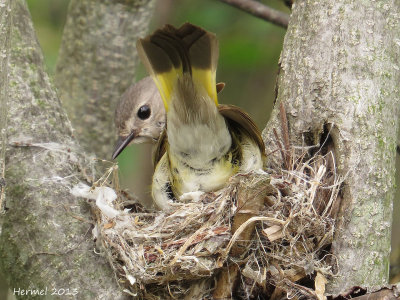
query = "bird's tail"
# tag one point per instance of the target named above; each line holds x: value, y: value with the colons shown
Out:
x: 169, y: 53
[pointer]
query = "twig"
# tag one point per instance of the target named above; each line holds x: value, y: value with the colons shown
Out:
x: 280, y: 147
x: 243, y: 227
x: 261, y: 11
x: 204, y: 227
x: 68, y: 210
x: 285, y: 133
x: 284, y: 126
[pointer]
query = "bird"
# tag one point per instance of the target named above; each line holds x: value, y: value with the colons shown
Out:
x: 139, y: 115
x: 204, y: 143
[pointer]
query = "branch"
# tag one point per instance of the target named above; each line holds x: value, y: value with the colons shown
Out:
x: 362, y: 122
x: 387, y: 292
x: 41, y: 245
x: 97, y: 63
x: 261, y: 11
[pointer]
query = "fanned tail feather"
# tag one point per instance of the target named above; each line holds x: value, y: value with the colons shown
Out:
x: 170, y: 52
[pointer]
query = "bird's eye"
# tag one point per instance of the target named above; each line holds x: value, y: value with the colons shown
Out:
x: 144, y: 112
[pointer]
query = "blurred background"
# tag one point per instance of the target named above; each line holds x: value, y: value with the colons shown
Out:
x: 248, y: 64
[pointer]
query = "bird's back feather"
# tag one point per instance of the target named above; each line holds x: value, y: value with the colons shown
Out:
x: 237, y: 120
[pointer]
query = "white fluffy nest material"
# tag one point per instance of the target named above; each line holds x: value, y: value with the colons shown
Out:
x: 159, y: 255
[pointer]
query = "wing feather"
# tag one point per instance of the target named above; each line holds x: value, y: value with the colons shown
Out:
x: 236, y: 117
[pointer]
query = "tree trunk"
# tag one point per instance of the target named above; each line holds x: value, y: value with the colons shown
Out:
x: 97, y: 63
x: 46, y: 240
x: 339, y: 75
x: 5, y: 30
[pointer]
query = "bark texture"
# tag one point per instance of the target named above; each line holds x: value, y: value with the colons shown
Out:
x: 46, y: 239
x: 5, y: 28
x: 340, y: 72
x: 96, y: 65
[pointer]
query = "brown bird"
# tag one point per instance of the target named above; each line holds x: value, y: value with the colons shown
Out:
x: 204, y: 143
x: 139, y: 116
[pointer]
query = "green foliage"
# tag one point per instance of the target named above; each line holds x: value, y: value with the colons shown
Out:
x: 128, y: 161
x: 49, y: 19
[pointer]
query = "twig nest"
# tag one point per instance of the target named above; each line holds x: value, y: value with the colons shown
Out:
x: 276, y: 227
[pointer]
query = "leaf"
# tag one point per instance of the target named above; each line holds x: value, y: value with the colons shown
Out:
x: 320, y: 282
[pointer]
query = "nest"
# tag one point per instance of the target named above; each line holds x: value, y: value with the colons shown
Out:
x: 264, y: 236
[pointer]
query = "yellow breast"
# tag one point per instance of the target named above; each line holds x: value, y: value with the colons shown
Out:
x: 210, y: 177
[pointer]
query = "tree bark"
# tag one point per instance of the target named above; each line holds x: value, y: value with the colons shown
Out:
x: 46, y: 239
x: 339, y: 74
x: 97, y: 63
x: 5, y: 30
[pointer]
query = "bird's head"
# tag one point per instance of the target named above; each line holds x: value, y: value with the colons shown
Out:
x: 139, y: 116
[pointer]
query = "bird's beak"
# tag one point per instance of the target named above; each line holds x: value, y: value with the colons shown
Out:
x: 122, y: 142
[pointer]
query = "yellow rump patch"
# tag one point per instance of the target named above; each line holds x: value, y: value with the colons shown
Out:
x: 206, y: 78
x: 165, y: 83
